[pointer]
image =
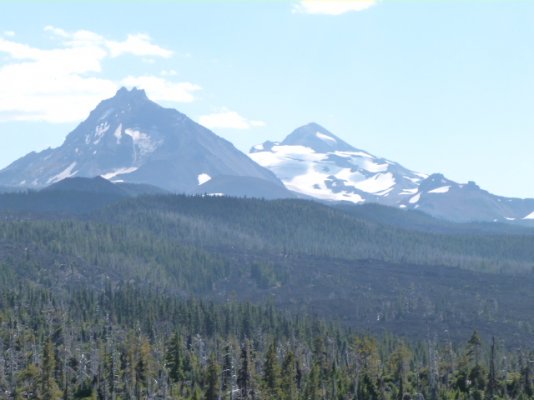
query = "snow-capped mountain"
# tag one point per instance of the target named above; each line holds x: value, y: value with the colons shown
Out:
x: 129, y: 138
x: 314, y: 162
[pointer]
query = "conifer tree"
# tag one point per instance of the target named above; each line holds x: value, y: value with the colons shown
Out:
x: 49, y: 387
x: 271, y: 372
x: 212, y: 379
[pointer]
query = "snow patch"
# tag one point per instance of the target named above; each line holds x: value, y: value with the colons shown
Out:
x: 442, y: 189
x: 335, y: 175
x: 119, y: 171
x: 409, y: 191
x: 142, y: 141
x: 325, y: 138
x: 415, y: 198
x: 100, y: 131
x: 377, y: 184
x: 118, y: 133
x: 66, y: 173
x: 203, y: 178
x: 530, y: 216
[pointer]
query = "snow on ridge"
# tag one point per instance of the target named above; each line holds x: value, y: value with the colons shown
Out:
x: 377, y: 184
x: 415, y: 198
x: 442, y: 189
x: 66, y: 173
x: 203, y: 178
x: 100, y: 130
x: 120, y: 171
x: 409, y: 191
x: 313, y: 183
x: 325, y: 138
x: 142, y: 141
x: 118, y: 133
x: 529, y: 216
x: 353, y: 154
x: 335, y: 175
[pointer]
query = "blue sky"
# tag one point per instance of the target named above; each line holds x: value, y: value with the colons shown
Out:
x: 439, y: 86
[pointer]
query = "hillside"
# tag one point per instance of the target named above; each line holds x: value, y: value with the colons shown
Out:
x: 299, y: 254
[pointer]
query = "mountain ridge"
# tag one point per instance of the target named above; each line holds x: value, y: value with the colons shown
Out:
x: 313, y: 161
x: 129, y: 138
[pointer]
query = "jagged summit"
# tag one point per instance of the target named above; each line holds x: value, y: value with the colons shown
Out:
x: 129, y: 138
x: 123, y: 92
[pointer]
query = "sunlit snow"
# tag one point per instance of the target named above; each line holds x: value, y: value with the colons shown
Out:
x: 336, y: 175
x: 118, y: 133
x: 325, y: 138
x: 415, y: 198
x: 203, y: 178
x: 442, y: 189
x: 142, y: 141
x: 119, y: 171
x: 66, y: 173
x: 100, y: 130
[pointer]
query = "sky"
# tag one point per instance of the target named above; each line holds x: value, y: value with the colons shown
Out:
x: 438, y: 86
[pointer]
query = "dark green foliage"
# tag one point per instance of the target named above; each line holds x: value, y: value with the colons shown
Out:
x: 154, y: 298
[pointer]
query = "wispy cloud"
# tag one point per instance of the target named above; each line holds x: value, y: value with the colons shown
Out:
x: 227, y: 119
x: 162, y: 89
x: 63, y: 82
x: 332, y: 7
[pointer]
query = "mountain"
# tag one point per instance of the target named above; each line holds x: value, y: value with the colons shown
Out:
x: 317, y: 163
x: 128, y: 138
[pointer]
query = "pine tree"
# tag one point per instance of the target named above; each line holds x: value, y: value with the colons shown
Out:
x: 492, y: 379
x: 245, y: 376
x: 289, y: 377
x: 212, y: 379
x: 174, y: 358
x: 49, y: 387
x: 271, y: 372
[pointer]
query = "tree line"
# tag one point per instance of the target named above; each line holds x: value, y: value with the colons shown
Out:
x: 132, y: 343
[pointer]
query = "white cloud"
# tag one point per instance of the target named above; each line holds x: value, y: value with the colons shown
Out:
x: 9, y: 33
x: 162, y: 89
x: 226, y: 119
x: 63, y: 83
x: 137, y: 45
x: 332, y: 7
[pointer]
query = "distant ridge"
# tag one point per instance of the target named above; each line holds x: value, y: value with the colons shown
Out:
x: 313, y: 161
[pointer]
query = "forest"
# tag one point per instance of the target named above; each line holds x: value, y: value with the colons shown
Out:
x: 128, y: 343
x: 106, y: 296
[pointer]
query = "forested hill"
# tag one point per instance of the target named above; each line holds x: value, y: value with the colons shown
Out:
x: 177, y: 297
x: 299, y: 254
x: 310, y: 228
